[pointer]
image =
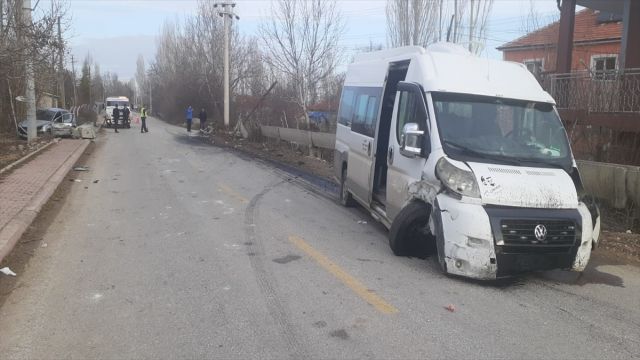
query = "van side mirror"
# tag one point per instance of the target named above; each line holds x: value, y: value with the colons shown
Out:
x: 411, y: 140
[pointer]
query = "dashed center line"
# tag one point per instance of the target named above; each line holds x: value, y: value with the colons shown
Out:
x: 356, y: 286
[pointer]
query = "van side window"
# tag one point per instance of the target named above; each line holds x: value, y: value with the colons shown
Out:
x: 347, y: 103
x: 410, y: 110
x: 365, y: 118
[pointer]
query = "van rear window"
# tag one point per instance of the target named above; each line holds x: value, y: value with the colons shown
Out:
x: 347, y: 101
x: 359, y: 108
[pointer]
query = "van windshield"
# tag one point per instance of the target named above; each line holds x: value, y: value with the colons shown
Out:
x: 120, y: 103
x: 480, y: 128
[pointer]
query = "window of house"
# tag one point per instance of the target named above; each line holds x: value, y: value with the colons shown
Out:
x: 604, y: 66
x: 534, y: 66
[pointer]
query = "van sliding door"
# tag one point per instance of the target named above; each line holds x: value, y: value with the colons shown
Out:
x: 361, y: 150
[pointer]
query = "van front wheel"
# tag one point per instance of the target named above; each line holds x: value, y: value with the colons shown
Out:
x: 345, y: 196
x: 409, y: 235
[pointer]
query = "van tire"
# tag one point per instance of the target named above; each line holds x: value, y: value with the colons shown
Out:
x: 345, y: 196
x: 406, y: 237
x: 439, y: 237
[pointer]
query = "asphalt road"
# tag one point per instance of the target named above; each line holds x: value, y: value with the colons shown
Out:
x: 184, y: 250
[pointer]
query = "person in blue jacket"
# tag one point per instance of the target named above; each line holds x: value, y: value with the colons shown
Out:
x: 189, y: 114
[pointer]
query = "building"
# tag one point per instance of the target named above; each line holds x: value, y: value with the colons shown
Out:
x: 590, y: 63
x: 596, y: 44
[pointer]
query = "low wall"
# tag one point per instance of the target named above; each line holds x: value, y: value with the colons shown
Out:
x: 618, y: 185
x: 301, y: 137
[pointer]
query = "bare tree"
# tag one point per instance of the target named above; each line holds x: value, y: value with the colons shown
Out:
x: 141, y: 79
x: 411, y: 22
x: 301, y: 42
x: 422, y: 22
x: 39, y: 42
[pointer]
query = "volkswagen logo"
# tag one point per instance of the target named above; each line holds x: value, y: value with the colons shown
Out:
x: 540, y: 232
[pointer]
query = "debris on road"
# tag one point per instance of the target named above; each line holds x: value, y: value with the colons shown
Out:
x: 75, y: 180
x: 81, y: 168
x: 361, y: 222
x: 7, y: 271
x: 450, y: 308
x: 95, y: 181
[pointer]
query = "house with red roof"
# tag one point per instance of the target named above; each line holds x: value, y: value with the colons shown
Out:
x: 589, y: 61
x: 597, y: 38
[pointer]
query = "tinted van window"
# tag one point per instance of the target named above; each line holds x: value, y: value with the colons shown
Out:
x: 347, y: 102
x: 365, y: 116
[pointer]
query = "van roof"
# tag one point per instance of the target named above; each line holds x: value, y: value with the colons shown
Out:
x: 449, y: 67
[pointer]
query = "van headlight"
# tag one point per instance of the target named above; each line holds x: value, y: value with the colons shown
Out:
x: 457, y: 180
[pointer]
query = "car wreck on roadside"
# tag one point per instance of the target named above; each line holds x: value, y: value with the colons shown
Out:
x: 52, y: 121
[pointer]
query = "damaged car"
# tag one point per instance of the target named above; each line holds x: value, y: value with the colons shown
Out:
x: 53, y: 121
x: 463, y: 156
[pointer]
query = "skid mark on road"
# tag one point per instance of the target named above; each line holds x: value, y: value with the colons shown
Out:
x: 234, y: 194
x: 266, y: 281
x: 362, y: 291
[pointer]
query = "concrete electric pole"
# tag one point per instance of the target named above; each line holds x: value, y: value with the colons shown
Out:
x: 32, y: 131
x: 228, y: 15
x: 75, y: 91
x: 63, y: 101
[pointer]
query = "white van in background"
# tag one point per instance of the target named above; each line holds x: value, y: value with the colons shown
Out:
x: 467, y: 155
x: 110, y: 103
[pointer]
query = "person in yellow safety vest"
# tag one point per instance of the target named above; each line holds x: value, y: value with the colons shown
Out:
x: 143, y: 117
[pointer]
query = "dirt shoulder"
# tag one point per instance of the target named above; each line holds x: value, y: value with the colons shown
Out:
x: 283, y: 153
x: 12, y: 148
x: 621, y: 245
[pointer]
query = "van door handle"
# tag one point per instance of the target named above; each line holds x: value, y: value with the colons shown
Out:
x: 390, y: 156
x: 368, y: 148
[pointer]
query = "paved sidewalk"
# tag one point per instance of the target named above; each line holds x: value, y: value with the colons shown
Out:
x: 26, y: 189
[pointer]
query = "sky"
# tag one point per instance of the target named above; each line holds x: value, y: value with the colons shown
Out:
x: 115, y: 32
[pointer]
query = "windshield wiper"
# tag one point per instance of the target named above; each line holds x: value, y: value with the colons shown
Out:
x: 540, y: 161
x: 465, y: 150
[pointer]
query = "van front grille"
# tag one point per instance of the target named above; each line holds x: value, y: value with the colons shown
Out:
x: 523, y: 232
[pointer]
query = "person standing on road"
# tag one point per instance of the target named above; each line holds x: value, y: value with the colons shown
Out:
x: 189, y: 115
x: 115, y: 115
x: 125, y: 116
x: 143, y: 117
x: 203, y: 119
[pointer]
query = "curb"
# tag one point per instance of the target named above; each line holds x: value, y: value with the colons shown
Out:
x: 13, y: 230
x: 26, y: 157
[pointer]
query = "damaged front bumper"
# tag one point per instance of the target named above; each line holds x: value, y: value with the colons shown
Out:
x: 489, y: 242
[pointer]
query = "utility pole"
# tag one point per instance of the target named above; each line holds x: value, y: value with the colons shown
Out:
x: 75, y: 91
x: 471, y: 27
x: 455, y: 21
x: 228, y: 15
x: 440, y: 21
x: 63, y: 101
x: 32, y: 132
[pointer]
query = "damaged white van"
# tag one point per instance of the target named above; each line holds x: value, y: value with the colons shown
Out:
x: 464, y: 154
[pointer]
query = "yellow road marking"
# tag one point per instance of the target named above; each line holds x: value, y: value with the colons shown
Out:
x: 234, y: 194
x: 351, y: 282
